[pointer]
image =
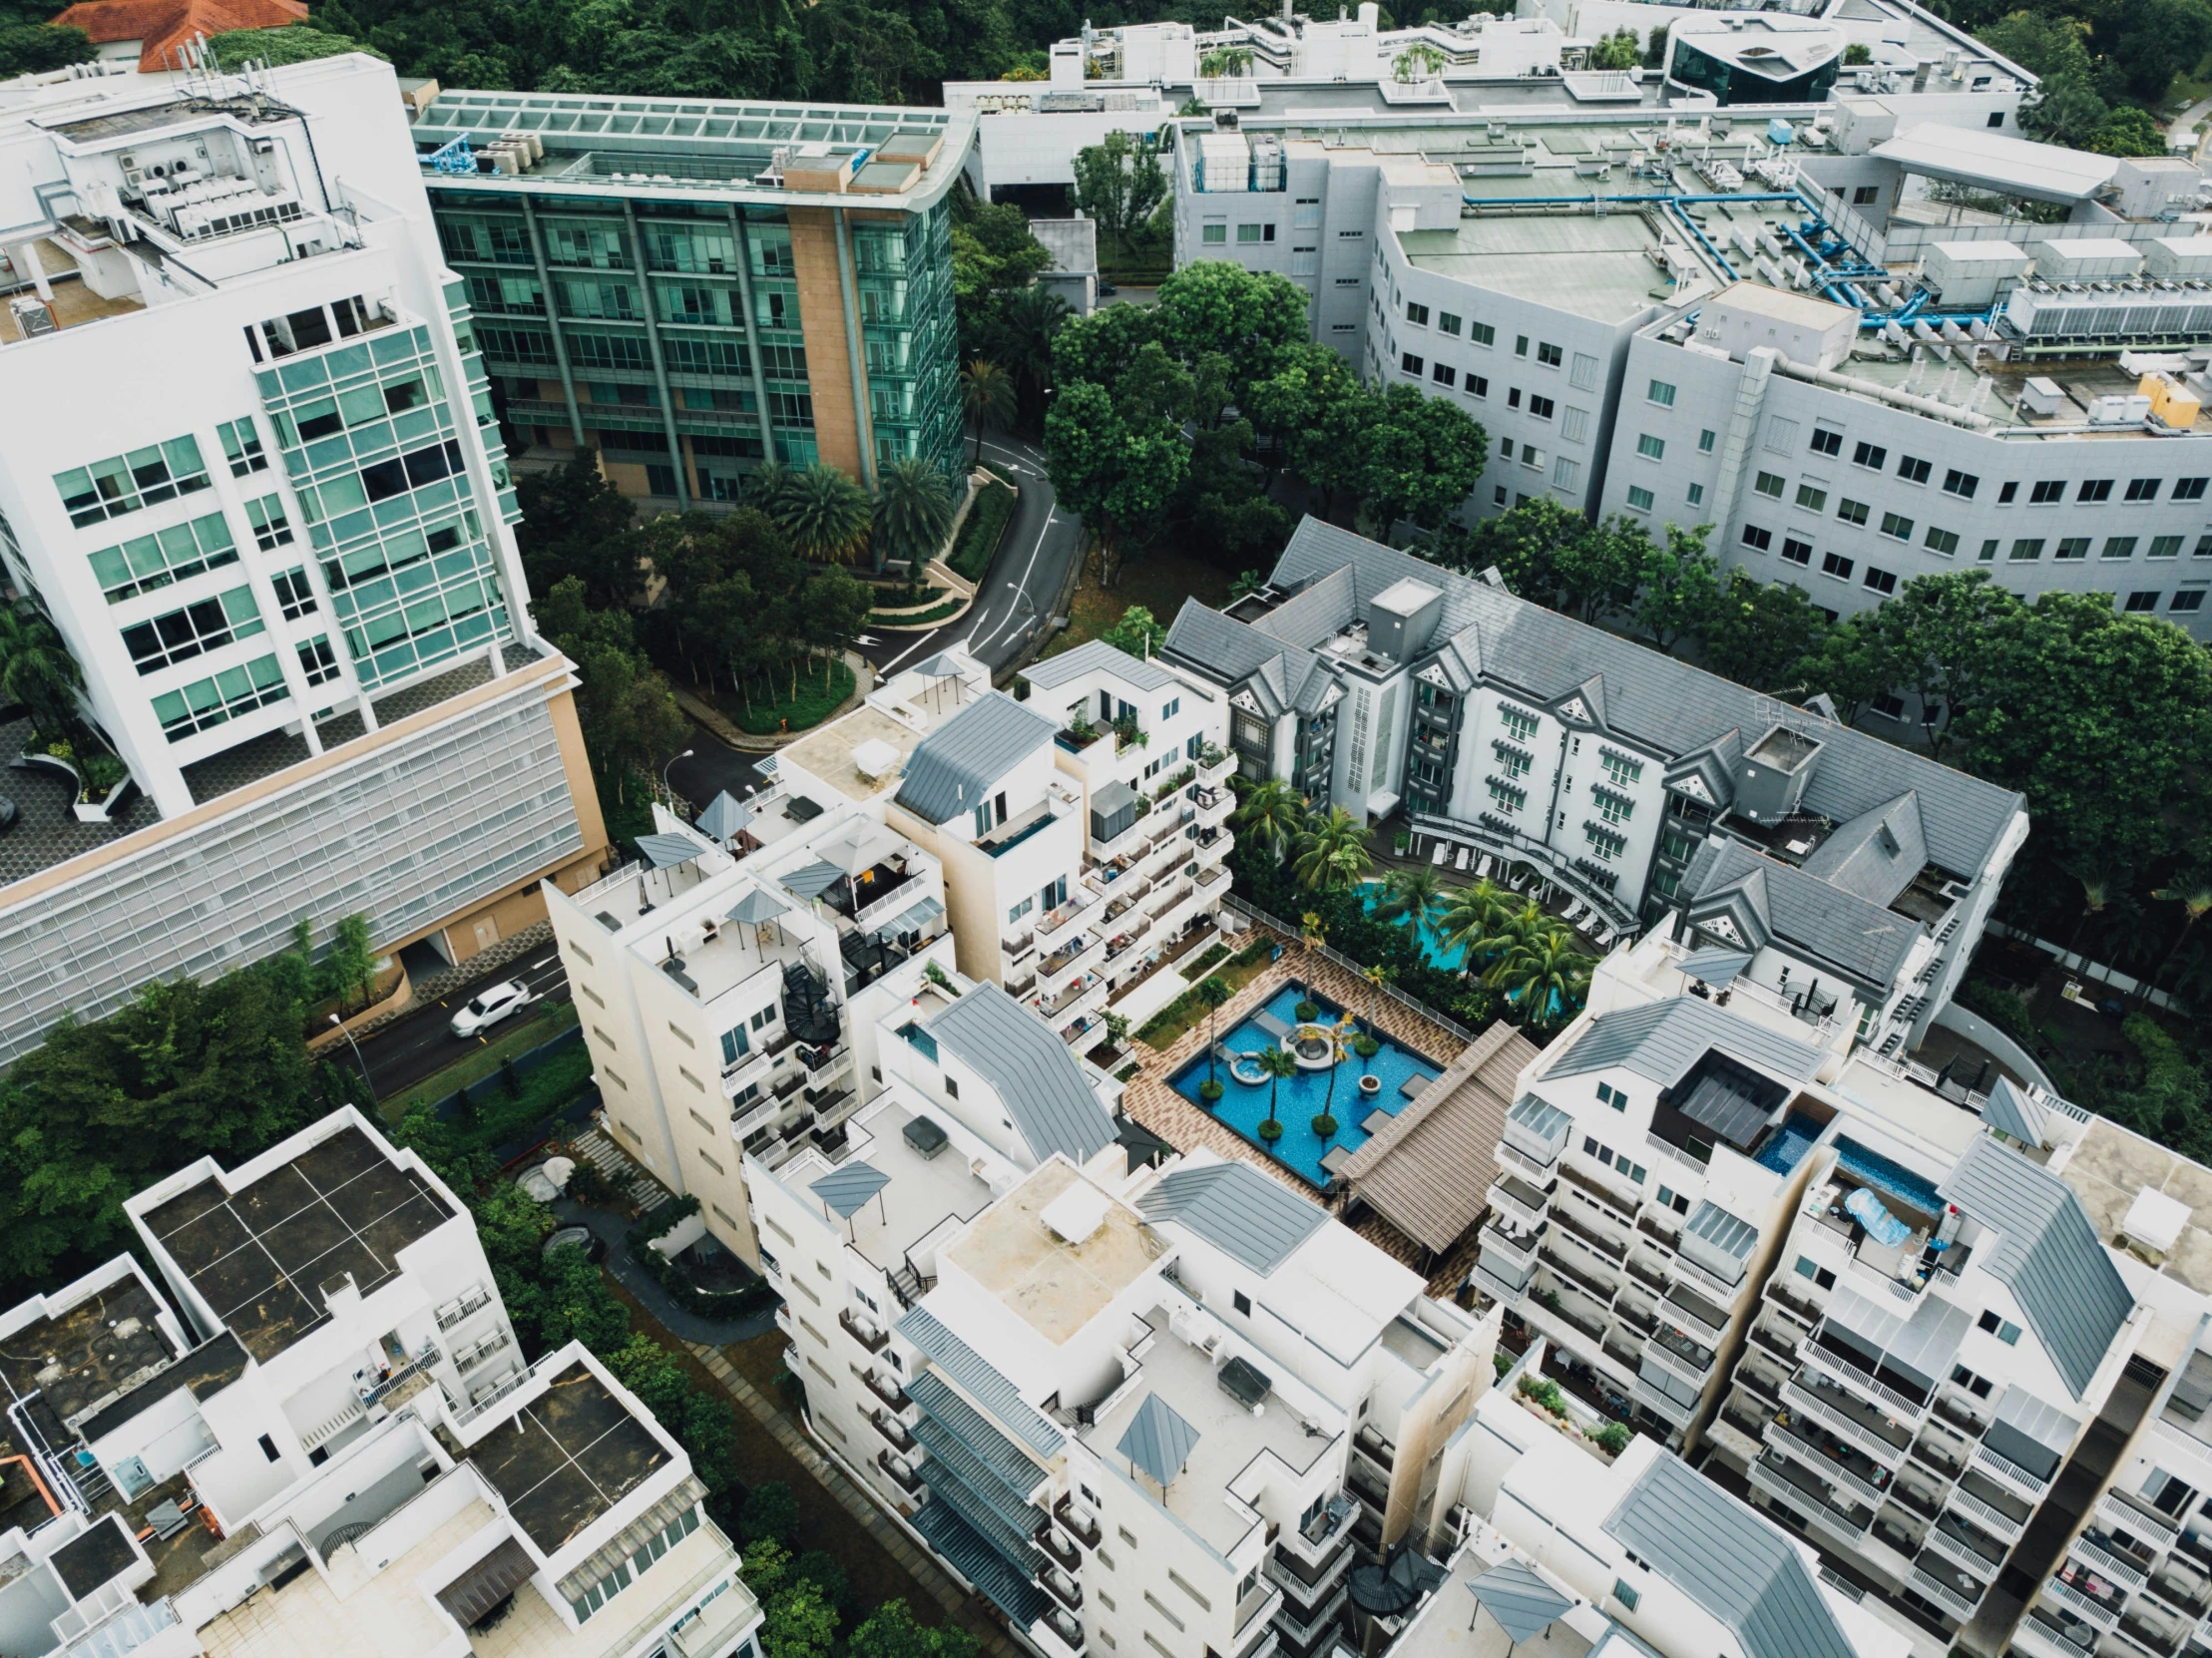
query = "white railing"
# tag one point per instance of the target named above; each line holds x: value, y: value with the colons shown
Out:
x: 1986, y: 1513
x: 1840, y: 1423
x: 1942, y: 1593
x: 2011, y: 1472
x: 2104, y: 1617
x: 749, y: 1070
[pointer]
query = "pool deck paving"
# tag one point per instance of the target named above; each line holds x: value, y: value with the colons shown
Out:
x: 1152, y: 1099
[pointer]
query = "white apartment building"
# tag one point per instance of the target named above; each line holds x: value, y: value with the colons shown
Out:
x: 350, y: 1457
x: 730, y: 1004
x: 1132, y: 1407
x: 1858, y: 872
x: 251, y: 477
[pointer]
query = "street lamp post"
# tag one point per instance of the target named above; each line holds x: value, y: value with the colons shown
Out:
x: 668, y: 788
x: 367, y: 1080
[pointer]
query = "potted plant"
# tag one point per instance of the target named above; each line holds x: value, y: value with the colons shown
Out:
x: 1277, y: 1064
x: 1306, y: 1012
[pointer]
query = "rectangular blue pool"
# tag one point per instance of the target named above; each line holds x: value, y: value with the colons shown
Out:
x: 1299, y: 1099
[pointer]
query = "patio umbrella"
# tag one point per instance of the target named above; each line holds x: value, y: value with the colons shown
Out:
x: 845, y: 1189
x: 664, y: 851
x: 755, y: 910
x: 725, y: 818
x: 1159, y: 1441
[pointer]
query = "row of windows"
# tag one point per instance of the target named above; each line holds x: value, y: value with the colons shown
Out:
x: 123, y: 483
x: 623, y: 1572
x: 209, y: 703
x: 193, y: 630
x: 2043, y: 492
x: 149, y: 562
x: 1884, y: 581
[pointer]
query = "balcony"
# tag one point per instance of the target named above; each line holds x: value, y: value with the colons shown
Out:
x: 1947, y: 1588
x: 1991, y: 1506
x: 1694, y: 1315
x: 1071, y: 952
x: 469, y: 1305
x: 1058, y: 1547
x: 1053, y: 1006
x: 1802, y: 1308
x: 399, y: 1377
x: 1845, y: 1413
x: 1677, y: 1353
x: 1599, y: 1289
x: 1372, y: 1446
x: 1633, y: 1317
x: 2160, y: 1643
x: 1016, y: 829
x: 1841, y: 1465
x: 1863, y: 1383
x: 2181, y: 1588
x: 1913, y: 1501
x: 2040, y: 1635
x: 1761, y: 1386
x: 1613, y: 1249
x: 1536, y: 1172
x: 1806, y: 1494
x: 2106, y: 1556
x: 1649, y: 1225
x: 1957, y: 1417
x: 893, y: 1396
x: 1965, y: 1548
x: 1061, y: 1587
x: 1616, y: 1207
x: 1667, y: 1409
x: 2130, y: 1513
x: 2010, y: 1473
x: 751, y: 1070
x: 1690, y: 1273
x: 1061, y: 1629
x: 1053, y: 922
x: 900, y: 1472
x: 1519, y: 1201
x: 1501, y: 1245
x: 2105, y: 1616
x: 894, y: 1431
x: 1084, y: 1530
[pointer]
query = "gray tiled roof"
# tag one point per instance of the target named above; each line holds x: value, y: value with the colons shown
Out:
x: 2048, y: 1254
x: 1855, y: 935
x: 1143, y: 672
x: 1663, y: 1039
x: 982, y: 1381
x: 953, y: 768
x: 1728, y: 1561
x: 1230, y: 653
x: 1663, y: 703
x: 1248, y: 1216
x: 1041, y: 1085
x: 1877, y: 854
x: 1308, y: 617
x: 2009, y: 1111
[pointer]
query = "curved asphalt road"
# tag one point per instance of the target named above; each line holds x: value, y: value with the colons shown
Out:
x: 1016, y: 597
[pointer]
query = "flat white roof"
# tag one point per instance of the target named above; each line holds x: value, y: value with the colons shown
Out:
x: 2008, y: 166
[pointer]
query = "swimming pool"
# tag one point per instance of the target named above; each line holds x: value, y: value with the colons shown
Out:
x: 1299, y: 1098
x: 1787, y: 1146
x: 1444, y: 955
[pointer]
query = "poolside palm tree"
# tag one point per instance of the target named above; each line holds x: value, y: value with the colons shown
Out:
x: 1547, y: 977
x: 1469, y: 915
x: 1313, y: 933
x: 766, y: 487
x: 1377, y: 976
x: 1211, y: 992
x: 914, y: 514
x: 1332, y: 854
x: 1276, y: 1064
x: 987, y: 398
x: 1417, y: 892
x: 1344, y: 1028
x: 1272, y: 815
x: 825, y: 514
x: 2192, y: 890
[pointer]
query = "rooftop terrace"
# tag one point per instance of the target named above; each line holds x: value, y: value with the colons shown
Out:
x: 566, y: 1457
x: 1054, y: 1286
x: 266, y: 1255
x: 922, y: 1192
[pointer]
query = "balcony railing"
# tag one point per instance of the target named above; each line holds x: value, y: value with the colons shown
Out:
x: 2110, y: 1561
x: 893, y: 1430
x: 1849, y: 1416
x: 2032, y: 1484
x: 1613, y: 1249
x: 901, y: 1472
x: 1941, y: 1590
x: 864, y: 1330
x: 1084, y: 1530
x: 405, y: 1373
x: 2084, y: 1606
x: 1501, y: 1244
x: 1618, y: 1207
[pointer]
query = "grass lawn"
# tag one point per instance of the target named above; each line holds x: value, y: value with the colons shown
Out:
x: 1186, y: 1012
x: 985, y: 528
x: 538, y: 1023
x: 1143, y: 259
x: 919, y: 618
x: 1159, y: 580
x: 818, y: 694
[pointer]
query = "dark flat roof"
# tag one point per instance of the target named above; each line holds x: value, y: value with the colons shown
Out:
x: 567, y: 1457
x: 261, y: 1256
x: 99, y: 1347
x: 208, y: 1368
x: 99, y: 1556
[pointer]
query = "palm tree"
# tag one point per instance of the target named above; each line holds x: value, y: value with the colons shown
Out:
x: 914, y: 514
x: 1344, y: 1027
x: 1417, y: 892
x: 1031, y: 319
x: 2192, y: 890
x: 1545, y: 977
x: 1247, y: 582
x: 1312, y: 932
x: 1273, y: 815
x: 1332, y: 855
x: 766, y: 487
x: 37, y: 671
x: 1469, y: 916
x: 988, y: 399
x: 1377, y: 976
x: 2097, y: 891
x: 824, y: 513
x: 1211, y: 992
x: 1276, y: 1064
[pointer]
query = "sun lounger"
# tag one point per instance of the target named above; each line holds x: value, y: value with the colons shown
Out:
x: 1484, y: 867
x: 1443, y: 852
x: 1461, y: 862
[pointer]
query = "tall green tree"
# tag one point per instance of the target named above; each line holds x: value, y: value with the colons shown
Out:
x: 825, y: 514
x: 1116, y: 466
x: 1678, y: 587
x: 1761, y: 633
x: 573, y: 521
x: 892, y: 1631
x: 1272, y: 816
x: 1332, y: 853
x: 1419, y: 458
x: 912, y: 514
x: 1119, y: 181
x: 1138, y: 632
x: 987, y: 398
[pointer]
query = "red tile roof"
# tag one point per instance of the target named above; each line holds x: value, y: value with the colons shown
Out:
x: 165, y: 25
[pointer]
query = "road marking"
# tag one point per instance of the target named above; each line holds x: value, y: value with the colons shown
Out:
x: 1023, y: 584
x: 865, y: 638
x: 548, y: 962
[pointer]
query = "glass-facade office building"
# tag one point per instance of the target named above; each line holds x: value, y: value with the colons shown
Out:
x: 695, y: 288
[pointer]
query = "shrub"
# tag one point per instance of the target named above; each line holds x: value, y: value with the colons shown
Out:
x: 1209, y: 959
x: 1209, y: 1090
x: 822, y: 1569
x: 980, y: 536
x: 1324, y: 1125
x: 1544, y: 1396
x: 1270, y: 1131
x: 706, y: 1304
x: 1499, y: 1362
x: 1612, y: 1438
x: 2006, y: 1010
x: 1307, y: 1012
x: 591, y: 1188
x: 1366, y: 1047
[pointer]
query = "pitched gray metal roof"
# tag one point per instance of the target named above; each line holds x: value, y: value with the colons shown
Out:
x: 846, y: 1187
x: 1284, y: 676
x: 2048, y: 1254
x: 663, y: 851
x: 1040, y: 1083
x: 1540, y: 1116
x: 2009, y: 1111
x: 956, y: 766
x: 1728, y: 1233
x: 724, y: 817
x: 1665, y: 703
x: 1240, y: 1211
x: 1159, y: 1441
x: 1735, y: 1565
x: 943, y: 666
x: 1143, y: 672
x: 1855, y: 935
x: 812, y: 879
x: 1312, y: 616
x: 1717, y: 967
x: 1663, y: 1039
x: 982, y: 1381
x: 1524, y: 1605
x: 757, y: 906
x: 1877, y: 853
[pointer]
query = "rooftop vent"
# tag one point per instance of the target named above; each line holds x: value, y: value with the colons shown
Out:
x: 2152, y: 1224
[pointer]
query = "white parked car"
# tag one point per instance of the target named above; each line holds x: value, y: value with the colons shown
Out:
x: 490, y: 1006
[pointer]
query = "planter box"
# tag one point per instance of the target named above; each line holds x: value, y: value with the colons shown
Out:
x: 95, y: 811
